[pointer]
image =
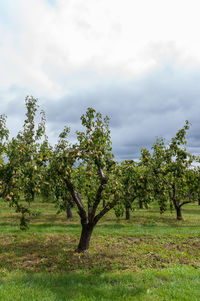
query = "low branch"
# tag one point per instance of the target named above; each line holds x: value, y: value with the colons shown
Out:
x: 103, y: 178
x: 77, y: 199
x: 133, y: 198
x: 186, y: 202
x: 103, y: 212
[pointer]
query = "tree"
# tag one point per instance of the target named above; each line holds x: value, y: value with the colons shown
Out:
x: 27, y: 154
x: 172, y: 172
x: 95, y: 176
x: 129, y: 191
x: 135, y: 185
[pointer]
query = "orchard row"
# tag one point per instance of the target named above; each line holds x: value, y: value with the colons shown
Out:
x: 86, y: 175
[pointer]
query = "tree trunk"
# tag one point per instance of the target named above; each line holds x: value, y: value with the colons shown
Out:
x: 127, y: 213
x: 140, y: 203
x: 85, y: 238
x: 69, y: 212
x: 199, y: 202
x: 176, y: 204
x: 178, y: 213
x: 32, y: 196
x: 68, y: 205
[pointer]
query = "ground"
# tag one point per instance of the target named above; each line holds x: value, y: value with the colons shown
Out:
x: 150, y: 257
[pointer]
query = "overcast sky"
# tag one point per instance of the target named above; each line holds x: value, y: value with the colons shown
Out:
x: 137, y: 61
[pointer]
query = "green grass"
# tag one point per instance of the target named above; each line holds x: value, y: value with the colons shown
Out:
x: 143, y: 222
x: 177, y: 283
x: 150, y: 257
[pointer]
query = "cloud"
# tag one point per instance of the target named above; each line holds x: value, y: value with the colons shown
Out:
x: 43, y: 45
x: 51, y: 2
x: 155, y: 105
x: 141, y: 67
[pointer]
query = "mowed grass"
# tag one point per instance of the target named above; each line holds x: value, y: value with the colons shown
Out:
x: 143, y: 222
x: 177, y: 283
x: 150, y: 257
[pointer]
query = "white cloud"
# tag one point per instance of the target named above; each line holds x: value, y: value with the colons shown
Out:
x: 85, y: 49
x: 43, y: 44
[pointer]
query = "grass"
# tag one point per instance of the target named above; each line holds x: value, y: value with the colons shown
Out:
x: 177, y: 283
x: 150, y: 257
x: 143, y: 222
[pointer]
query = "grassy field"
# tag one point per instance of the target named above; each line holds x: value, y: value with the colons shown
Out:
x: 150, y: 257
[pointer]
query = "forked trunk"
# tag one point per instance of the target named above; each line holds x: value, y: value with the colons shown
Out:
x: 85, y: 238
x: 127, y: 213
x: 178, y: 213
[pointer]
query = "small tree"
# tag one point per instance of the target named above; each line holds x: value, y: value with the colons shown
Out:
x: 27, y: 155
x: 171, y: 169
x: 95, y: 178
x: 135, y: 185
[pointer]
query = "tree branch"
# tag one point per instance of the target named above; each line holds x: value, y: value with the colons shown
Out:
x: 103, y: 178
x: 77, y: 199
x: 186, y: 202
x: 103, y: 212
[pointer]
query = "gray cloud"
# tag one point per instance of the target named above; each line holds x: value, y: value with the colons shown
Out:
x: 140, y: 110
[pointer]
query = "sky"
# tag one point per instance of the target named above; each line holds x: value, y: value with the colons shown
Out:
x: 136, y: 61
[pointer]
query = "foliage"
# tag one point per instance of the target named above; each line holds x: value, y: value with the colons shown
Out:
x: 27, y: 155
x: 85, y: 174
x: 89, y: 171
x: 136, y: 184
x: 172, y: 172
